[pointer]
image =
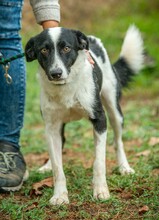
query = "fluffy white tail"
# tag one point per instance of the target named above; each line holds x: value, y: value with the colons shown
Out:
x: 132, y: 49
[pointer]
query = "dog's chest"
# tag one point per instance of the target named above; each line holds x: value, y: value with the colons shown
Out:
x: 65, y: 106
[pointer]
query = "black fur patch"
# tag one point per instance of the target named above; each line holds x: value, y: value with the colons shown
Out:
x: 123, y: 72
x: 34, y: 47
x: 97, y: 77
x: 63, y: 135
x: 97, y: 50
x: 99, y: 121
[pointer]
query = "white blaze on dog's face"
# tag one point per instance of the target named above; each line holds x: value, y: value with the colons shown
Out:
x: 56, y: 49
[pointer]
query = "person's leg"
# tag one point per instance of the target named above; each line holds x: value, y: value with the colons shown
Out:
x: 12, y: 99
x: 12, y: 96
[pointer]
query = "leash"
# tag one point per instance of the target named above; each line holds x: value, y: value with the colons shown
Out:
x: 6, y: 65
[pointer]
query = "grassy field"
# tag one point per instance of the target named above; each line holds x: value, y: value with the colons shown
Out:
x: 132, y: 197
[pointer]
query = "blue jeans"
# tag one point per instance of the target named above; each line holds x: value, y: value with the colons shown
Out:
x: 12, y: 96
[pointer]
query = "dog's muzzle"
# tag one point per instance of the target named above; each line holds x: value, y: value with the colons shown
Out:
x: 55, y: 74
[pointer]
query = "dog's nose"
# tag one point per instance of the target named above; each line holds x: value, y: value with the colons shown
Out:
x: 56, y: 73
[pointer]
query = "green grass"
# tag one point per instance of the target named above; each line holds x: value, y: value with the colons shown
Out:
x: 140, y: 105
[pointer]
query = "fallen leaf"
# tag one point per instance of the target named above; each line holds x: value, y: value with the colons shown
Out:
x: 153, y: 141
x: 118, y: 190
x: 144, y: 153
x: 126, y: 195
x: 143, y: 209
x: 155, y: 172
x: 32, y: 206
x: 37, y: 187
x: 35, y: 192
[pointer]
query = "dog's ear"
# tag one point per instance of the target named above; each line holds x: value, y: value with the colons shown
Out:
x: 30, y: 50
x: 82, y: 40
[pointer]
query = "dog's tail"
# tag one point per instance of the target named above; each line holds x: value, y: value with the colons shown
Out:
x: 131, y: 56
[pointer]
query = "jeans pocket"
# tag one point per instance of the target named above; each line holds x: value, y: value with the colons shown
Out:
x: 10, y: 16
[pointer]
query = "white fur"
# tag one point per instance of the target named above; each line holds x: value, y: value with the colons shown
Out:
x: 55, y: 151
x: 74, y: 100
x: 46, y: 167
x: 100, y: 188
x: 54, y: 34
x: 108, y: 96
x: 78, y: 94
x: 132, y: 48
x: 60, y: 104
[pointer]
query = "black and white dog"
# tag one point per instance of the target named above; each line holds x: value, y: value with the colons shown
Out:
x: 77, y: 80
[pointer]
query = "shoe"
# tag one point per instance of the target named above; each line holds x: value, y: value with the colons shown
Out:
x: 12, y: 168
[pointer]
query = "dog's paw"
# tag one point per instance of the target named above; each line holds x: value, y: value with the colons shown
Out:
x: 126, y: 170
x: 59, y: 199
x: 101, y: 192
x: 46, y: 167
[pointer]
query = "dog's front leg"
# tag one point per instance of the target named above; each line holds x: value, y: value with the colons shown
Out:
x: 53, y: 134
x: 100, y: 188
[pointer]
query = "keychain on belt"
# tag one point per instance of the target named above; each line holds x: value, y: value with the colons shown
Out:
x: 6, y: 65
x: 6, y: 75
x: 6, y: 68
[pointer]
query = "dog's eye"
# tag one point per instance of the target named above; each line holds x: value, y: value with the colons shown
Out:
x: 66, y: 49
x: 44, y: 51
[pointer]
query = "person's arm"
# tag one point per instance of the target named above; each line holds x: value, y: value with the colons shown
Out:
x: 47, y: 12
x: 49, y: 24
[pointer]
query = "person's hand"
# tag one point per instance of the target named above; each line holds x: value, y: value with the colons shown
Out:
x: 49, y: 24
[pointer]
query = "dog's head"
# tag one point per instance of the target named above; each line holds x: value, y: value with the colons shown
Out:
x: 56, y: 50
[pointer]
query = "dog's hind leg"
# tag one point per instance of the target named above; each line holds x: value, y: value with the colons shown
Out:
x: 100, y: 188
x: 116, y: 120
x: 46, y: 167
x: 53, y: 135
